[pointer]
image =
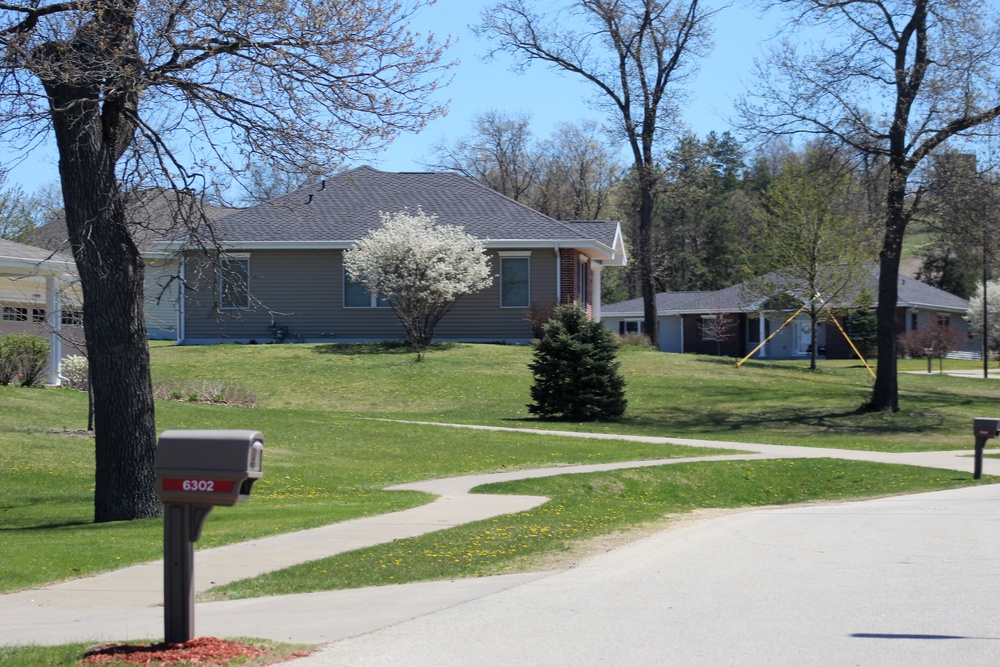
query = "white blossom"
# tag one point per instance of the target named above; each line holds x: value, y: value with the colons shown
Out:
x: 420, y: 267
x: 974, y: 315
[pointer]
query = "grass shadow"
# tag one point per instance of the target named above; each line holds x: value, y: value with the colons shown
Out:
x: 377, y: 347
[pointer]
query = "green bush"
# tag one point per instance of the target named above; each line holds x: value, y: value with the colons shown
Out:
x: 23, y: 357
x: 8, y: 365
x: 576, y: 371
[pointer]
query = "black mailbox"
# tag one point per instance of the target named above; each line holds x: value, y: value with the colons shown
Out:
x: 983, y: 428
x: 195, y: 472
x: 207, y: 467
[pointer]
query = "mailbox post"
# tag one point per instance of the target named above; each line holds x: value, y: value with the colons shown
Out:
x: 196, y: 471
x: 983, y: 428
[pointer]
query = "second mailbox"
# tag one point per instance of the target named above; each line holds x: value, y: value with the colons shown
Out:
x: 208, y: 467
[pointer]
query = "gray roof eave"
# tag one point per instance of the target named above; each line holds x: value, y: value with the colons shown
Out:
x: 46, y: 267
x: 596, y: 249
x: 931, y: 306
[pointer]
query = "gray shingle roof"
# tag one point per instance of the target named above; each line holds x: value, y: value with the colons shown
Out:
x: 20, y: 251
x: 345, y: 207
x: 665, y: 302
x: 153, y: 213
x: 912, y: 293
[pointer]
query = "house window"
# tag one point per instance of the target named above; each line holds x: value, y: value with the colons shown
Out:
x: 913, y: 321
x: 15, y: 314
x: 38, y: 315
x: 356, y: 295
x: 72, y: 317
x: 943, y: 321
x: 235, y: 282
x: 515, y: 280
x: 753, y: 329
x: 583, y: 282
x: 708, y: 328
x: 630, y: 326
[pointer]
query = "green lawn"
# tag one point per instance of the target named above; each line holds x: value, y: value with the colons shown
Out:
x: 669, y: 395
x: 326, y: 461
x: 591, y: 505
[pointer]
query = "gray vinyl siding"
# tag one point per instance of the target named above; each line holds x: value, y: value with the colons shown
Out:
x: 303, y: 290
x: 671, y: 334
x: 671, y: 329
x: 161, y: 294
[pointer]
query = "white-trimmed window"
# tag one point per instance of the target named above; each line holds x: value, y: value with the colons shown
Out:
x: 356, y: 295
x: 631, y: 326
x: 234, y: 281
x: 71, y: 317
x: 515, y: 279
x: 15, y: 314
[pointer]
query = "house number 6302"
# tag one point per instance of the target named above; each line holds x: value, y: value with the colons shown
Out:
x: 199, y: 485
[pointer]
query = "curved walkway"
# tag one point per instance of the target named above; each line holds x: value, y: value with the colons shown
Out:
x: 126, y: 604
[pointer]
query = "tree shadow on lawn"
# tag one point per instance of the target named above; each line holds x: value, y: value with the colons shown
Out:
x: 712, y: 420
x: 17, y: 527
x: 381, y: 347
x: 727, y: 416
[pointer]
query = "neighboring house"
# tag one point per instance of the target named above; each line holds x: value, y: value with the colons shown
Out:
x: 154, y: 214
x: 282, y: 277
x: 39, y: 295
x: 681, y: 317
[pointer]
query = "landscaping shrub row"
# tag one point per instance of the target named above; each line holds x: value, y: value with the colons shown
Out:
x: 23, y: 359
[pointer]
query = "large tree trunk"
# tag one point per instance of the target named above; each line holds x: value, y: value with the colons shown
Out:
x: 644, y: 252
x: 885, y: 393
x: 111, y: 277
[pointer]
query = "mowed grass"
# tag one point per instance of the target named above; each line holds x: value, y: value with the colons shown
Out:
x: 585, y: 506
x: 670, y: 395
x: 326, y: 460
x: 319, y: 468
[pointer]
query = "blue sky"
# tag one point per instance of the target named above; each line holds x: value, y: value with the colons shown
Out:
x: 547, y: 96
x: 551, y: 97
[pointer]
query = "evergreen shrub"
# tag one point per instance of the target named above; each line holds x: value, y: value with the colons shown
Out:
x: 576, y: 370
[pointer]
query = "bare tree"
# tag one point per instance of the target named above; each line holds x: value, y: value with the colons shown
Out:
x: 18, y: 213
x: 171, y: 91
x: 962, y: 214
x: 579, y: 171
x: 632, y: 51
x: 499, y: 154
x: 719, y: 327
x: 894, y: 80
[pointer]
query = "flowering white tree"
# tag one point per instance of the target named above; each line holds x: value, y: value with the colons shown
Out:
x: 975, y: 313
x: 420, y: 268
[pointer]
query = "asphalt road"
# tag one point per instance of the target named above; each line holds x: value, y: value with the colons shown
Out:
x: 907, y: 581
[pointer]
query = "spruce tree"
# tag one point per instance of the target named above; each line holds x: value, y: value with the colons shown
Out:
x: 576, y: 371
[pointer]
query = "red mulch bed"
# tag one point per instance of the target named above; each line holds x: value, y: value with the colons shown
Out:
x: 198, y: 651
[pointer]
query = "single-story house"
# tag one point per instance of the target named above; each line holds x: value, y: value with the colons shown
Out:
x: 39, y: 295
x: 682, y: 319
x: 281, y: 276
x: 153, y: 214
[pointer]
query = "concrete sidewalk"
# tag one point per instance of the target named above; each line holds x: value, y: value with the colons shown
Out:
x: 126, y: 604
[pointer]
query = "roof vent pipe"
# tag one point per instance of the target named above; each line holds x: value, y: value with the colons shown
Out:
x: 310, y: 199
x: 322, y: 184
